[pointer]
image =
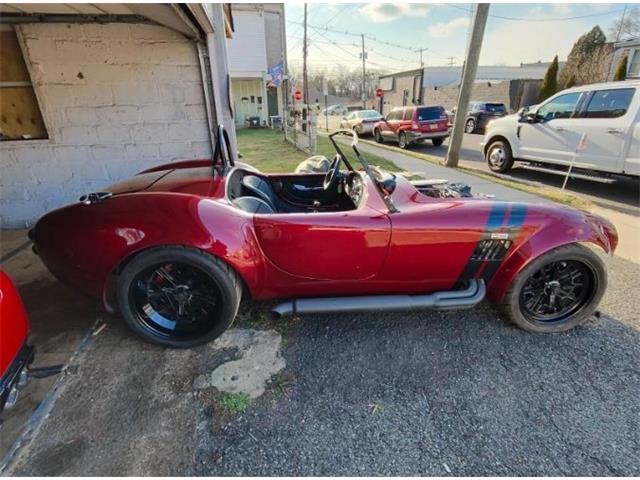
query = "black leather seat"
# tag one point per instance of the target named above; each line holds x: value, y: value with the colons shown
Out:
x: 261, y: 189
x: 253, y: 205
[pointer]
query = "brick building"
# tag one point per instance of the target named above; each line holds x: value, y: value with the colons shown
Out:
x: 93, y: 94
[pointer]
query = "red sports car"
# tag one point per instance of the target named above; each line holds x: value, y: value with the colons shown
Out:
x: 15, y: 351
x: 176, y: 247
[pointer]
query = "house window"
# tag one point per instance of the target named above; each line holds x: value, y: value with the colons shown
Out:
x: 634, y: 64
x: 20, y: 117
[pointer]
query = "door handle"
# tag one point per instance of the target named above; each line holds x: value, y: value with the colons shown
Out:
x: 560, y: 129
x: 614, y: 131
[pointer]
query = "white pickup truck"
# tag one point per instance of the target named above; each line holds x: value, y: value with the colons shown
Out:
x: 551, y: 132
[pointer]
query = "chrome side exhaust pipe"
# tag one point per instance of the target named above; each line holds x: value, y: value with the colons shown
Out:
x: 447, y: 300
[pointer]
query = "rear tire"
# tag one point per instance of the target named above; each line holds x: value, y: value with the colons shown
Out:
x: 499, y: 157
x: 402, y: 140
x: 178, y: 297
x: 378, y: 136
x: 557, y: 291
x: 437, y: 142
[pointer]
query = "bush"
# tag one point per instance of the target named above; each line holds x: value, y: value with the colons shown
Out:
x: 621, y: 71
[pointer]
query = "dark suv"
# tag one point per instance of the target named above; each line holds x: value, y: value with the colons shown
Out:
x: 480, y: 113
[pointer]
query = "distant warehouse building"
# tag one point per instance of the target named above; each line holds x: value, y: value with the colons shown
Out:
x: 515, y: 86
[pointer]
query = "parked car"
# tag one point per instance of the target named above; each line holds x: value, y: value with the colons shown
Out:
x: 338, y: 109
x: 180, y: 244
x: 550, y: 133
x: 479, y: 114
x: 361, y: 121
x: 16, y: 354
x: 408, y: 125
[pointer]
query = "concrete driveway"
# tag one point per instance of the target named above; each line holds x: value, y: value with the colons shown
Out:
x: 460, y: 393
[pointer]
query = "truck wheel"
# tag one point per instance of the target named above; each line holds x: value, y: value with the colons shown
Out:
x: 437, y: 141
x: 178, y: 297
x: 499, y: 156
x: 470, y: 126
x: 378, y: 136
x: 557, y: 291
x: 402, y: 140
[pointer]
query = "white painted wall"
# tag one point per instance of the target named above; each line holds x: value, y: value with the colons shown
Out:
x: 116, y: 99
x: 247, y: 49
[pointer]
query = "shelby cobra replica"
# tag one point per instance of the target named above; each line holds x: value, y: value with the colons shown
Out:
x: 176, y: 247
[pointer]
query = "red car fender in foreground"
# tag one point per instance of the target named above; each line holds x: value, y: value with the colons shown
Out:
x: 15, y: 351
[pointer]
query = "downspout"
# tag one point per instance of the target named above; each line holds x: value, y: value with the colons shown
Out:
x: 207, y: 87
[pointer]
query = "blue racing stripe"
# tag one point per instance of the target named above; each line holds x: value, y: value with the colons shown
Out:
x: 517, y: 216
x: 496, y: 216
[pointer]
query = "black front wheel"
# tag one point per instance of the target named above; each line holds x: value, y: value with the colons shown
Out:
x: 378, y: 136
x: 437, y: 141
x: 557, y: 291
x: 178, y: 297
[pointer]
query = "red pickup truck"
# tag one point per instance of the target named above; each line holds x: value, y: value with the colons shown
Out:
x: 408, y: 125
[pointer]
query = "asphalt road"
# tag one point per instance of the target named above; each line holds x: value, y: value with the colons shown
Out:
x: 622, y: 195
x: 458, y: 393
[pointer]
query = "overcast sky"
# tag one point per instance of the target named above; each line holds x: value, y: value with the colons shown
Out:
x: 515, y: 32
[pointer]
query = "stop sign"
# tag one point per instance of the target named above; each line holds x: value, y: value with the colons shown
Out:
x: 297, y: 95
x: 379, y: 92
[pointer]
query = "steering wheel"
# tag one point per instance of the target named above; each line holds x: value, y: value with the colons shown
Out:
x: 331, y: 177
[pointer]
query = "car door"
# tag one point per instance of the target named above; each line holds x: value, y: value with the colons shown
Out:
x: 391, y: 124
x: 349, y: 245
x: 606, y: 120
x: 407, y: 119
x: 550, y: 138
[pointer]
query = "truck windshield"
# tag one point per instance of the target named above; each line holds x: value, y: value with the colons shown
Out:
x: 425, y: 114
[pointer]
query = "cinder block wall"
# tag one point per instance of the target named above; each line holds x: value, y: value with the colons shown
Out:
x: 116, y: 99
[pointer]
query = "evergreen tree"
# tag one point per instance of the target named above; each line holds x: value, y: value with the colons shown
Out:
x: 621, y: 71
x: 587, y: 59
x: 550, y: 82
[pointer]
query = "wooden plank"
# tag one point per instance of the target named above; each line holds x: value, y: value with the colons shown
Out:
x: 114, y: 8
x: 12, y: 66
x: 20, y: 116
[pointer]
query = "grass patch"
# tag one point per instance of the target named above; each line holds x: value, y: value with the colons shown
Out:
x: 550, y: 193
x: 267, y: 150
x: 235, y: 403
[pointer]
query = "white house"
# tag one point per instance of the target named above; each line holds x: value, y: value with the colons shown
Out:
x: 258, y: 45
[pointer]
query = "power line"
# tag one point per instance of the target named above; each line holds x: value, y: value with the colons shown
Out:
x: 520, y: 19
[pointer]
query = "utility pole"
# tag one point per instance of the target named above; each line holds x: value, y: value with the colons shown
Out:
x: 468, y: 75
x: 364, y: 79
x: 305, y: 83
x: 421, y: 50
x: 624, y: 13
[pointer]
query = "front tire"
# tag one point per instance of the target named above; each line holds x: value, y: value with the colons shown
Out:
x: 437, y: 141
x: 378, y: 136
x: 178, y: 297
x: 499, y: 157
x: 557, y: 291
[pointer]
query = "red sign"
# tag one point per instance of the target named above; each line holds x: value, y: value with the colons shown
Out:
x: 379, y: 92
x: 297, y: 95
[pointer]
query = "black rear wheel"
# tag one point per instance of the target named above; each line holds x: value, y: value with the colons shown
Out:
x: 402, y: 140
x: 178, y: 297
x: 557, y: 291
x: 437, y: 141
